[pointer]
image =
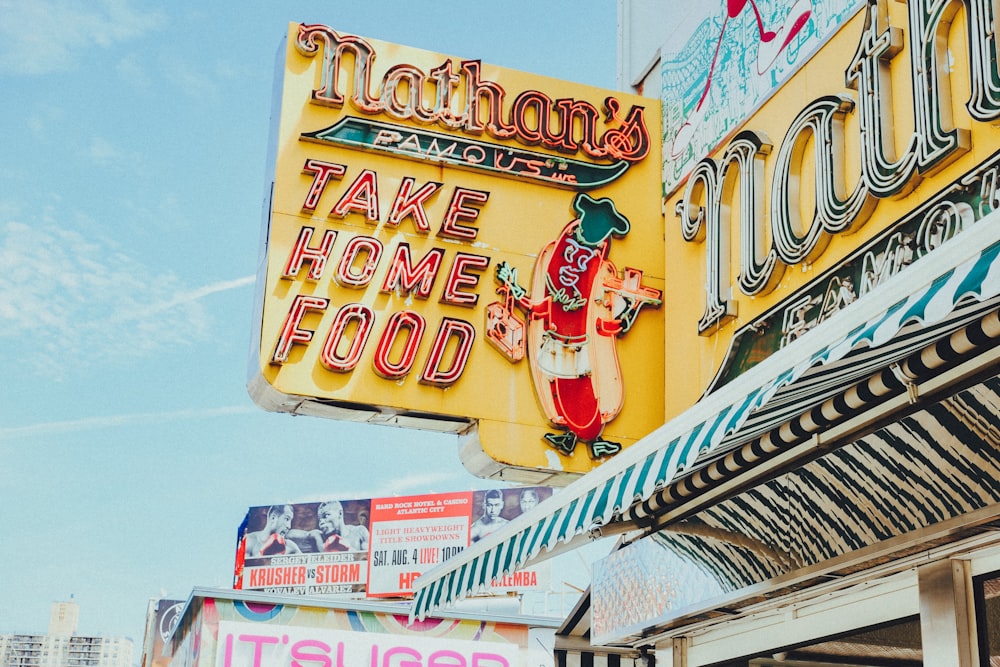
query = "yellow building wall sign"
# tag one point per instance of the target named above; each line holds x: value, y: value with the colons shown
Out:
x: 880, y: 149
x: 463, y: 248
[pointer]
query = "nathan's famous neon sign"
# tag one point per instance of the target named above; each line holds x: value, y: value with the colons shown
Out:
x: 577, y: 303
x: 886, y: 169
x: 407, y: 93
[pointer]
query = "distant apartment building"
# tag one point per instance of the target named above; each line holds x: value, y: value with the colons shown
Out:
x: 64, y: 619
x: 62, y: 647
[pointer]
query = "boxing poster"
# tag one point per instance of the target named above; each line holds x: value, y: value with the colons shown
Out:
x: 374, y: 547
x: 305, y: 548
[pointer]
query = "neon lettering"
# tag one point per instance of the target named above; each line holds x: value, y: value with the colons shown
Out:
x: 459, y: 278
x: 361, y: 197
x: 291, y: 332
x: 302, y: 251
x: 343, y: 362
x: 457, y: 211
x: 886, y: 170
x: 349, y: 274
x: 323, y: 172
x: 404, y: 278
x: 403, y: 93
x: 414, y: 325
x: 457, y: 334
x: 411, y: 204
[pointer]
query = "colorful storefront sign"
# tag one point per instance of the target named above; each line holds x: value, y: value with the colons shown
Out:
x: 243, y: 643
x: 463, y: 248
x: 231, y: 628
x: 836, y: 184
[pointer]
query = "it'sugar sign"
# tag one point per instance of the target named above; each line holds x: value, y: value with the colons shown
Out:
x: 577, y: 308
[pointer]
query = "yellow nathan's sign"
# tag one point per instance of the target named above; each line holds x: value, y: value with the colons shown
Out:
x: 463, y: 248
x: 877, y: 152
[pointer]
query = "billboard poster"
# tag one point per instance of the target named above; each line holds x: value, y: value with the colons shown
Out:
x: 454, y: 246
x: 374, y: 547
x: 727, y: 59
x: 412, y: 534
x: 305, y: 548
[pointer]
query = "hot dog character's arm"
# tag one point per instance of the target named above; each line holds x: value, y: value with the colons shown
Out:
x: 506, y: 275
x: 626, y: 297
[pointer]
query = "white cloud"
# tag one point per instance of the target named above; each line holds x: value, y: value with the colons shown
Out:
x: 115, y: 421
x: 43, y: 121
x: 201, y: 79
x: 46, y: 36
x: 191, y: 78
x: 103, y: 152
x: 79, y: 299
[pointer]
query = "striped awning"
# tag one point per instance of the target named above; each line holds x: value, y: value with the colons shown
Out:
x: 966, y: 268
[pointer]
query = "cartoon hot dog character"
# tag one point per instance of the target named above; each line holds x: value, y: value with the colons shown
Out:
x: 577, y: 308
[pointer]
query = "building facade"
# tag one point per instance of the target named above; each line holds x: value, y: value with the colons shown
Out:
x: 825, y: 487
x: 62, y: 647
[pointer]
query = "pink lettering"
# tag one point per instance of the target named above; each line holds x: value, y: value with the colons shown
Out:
x: 228, y: 659
x: 300, y: 652
x: 488, y: 660
x: 258, y: 649
x: 445, y: 659
x: 408, y: 657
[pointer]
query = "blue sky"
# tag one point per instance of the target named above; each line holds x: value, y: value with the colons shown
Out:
x: 132, y: 145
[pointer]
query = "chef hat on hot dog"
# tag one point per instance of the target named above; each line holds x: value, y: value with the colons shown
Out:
x: 599, y: 219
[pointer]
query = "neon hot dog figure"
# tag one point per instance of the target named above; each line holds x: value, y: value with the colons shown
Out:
x: 578, y: 307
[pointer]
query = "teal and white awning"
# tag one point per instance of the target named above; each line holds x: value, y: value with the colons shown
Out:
x: 967, y: 268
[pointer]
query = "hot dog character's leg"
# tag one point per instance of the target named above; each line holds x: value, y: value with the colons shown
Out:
x: 566, y: 443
